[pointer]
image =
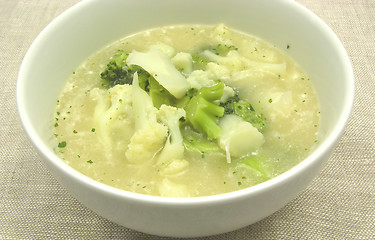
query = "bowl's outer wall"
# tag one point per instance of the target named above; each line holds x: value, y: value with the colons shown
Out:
x: 202, y: 218
x: 92, y: 24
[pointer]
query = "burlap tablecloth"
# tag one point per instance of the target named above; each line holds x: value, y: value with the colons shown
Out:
x: 338, y: 204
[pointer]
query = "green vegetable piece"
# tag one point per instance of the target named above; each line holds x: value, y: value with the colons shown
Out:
x: 203, y: 113
x: 254, y: 163
x: 159, y: 94
x: 194, y: 141
x: 143, y: 78
x: 182, y: 103
x: 199, y: 62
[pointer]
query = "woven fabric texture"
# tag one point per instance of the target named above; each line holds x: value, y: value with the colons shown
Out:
x: 338, y: 204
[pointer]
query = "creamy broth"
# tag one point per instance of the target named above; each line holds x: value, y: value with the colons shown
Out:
x: 94, y: 132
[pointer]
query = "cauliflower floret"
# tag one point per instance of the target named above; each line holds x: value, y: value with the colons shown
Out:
x: 150, y: 135
x: 199, y: 78
x: 113, y: 118
x: 228, y: 92
x: 216, y: 71
x: 170, y: 161
x: 183, y: 62
x: 171, y: 116
x: 238, y: 137
x: 146, y: 142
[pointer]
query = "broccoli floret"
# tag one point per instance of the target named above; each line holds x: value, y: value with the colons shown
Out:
x: 116, y: 71
x: 202, y: 111
x: 242, y: 108
x: 195, y: 141
x: 182, y: 103
x: 159, y: 94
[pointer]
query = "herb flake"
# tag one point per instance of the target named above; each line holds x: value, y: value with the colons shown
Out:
x: 61, y: 144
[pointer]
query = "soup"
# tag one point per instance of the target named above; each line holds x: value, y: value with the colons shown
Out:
x: 193, y: 111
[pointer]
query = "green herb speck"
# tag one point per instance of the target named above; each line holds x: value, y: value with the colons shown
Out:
x: 61, y: 144
x: 90, y: 161
x: 92, y: 129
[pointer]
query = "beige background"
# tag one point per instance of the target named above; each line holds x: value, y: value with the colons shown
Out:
x: 338, y: 204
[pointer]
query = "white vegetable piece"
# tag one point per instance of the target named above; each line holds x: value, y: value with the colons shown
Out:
x: 150, y: 135
x: 238, y: 137
x: 199, y: 78
x: 159, y: 65
x: 165, y: 48
x: 183, y: 61
x: 143, y: 108
x: 167, y: 188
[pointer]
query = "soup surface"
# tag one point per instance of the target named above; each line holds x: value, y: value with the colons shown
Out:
x: 101, y: 132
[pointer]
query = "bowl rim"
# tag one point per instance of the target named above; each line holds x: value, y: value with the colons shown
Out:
x: 48, y: 154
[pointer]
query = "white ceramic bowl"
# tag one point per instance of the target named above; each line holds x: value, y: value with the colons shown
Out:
x: 92, y: 24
